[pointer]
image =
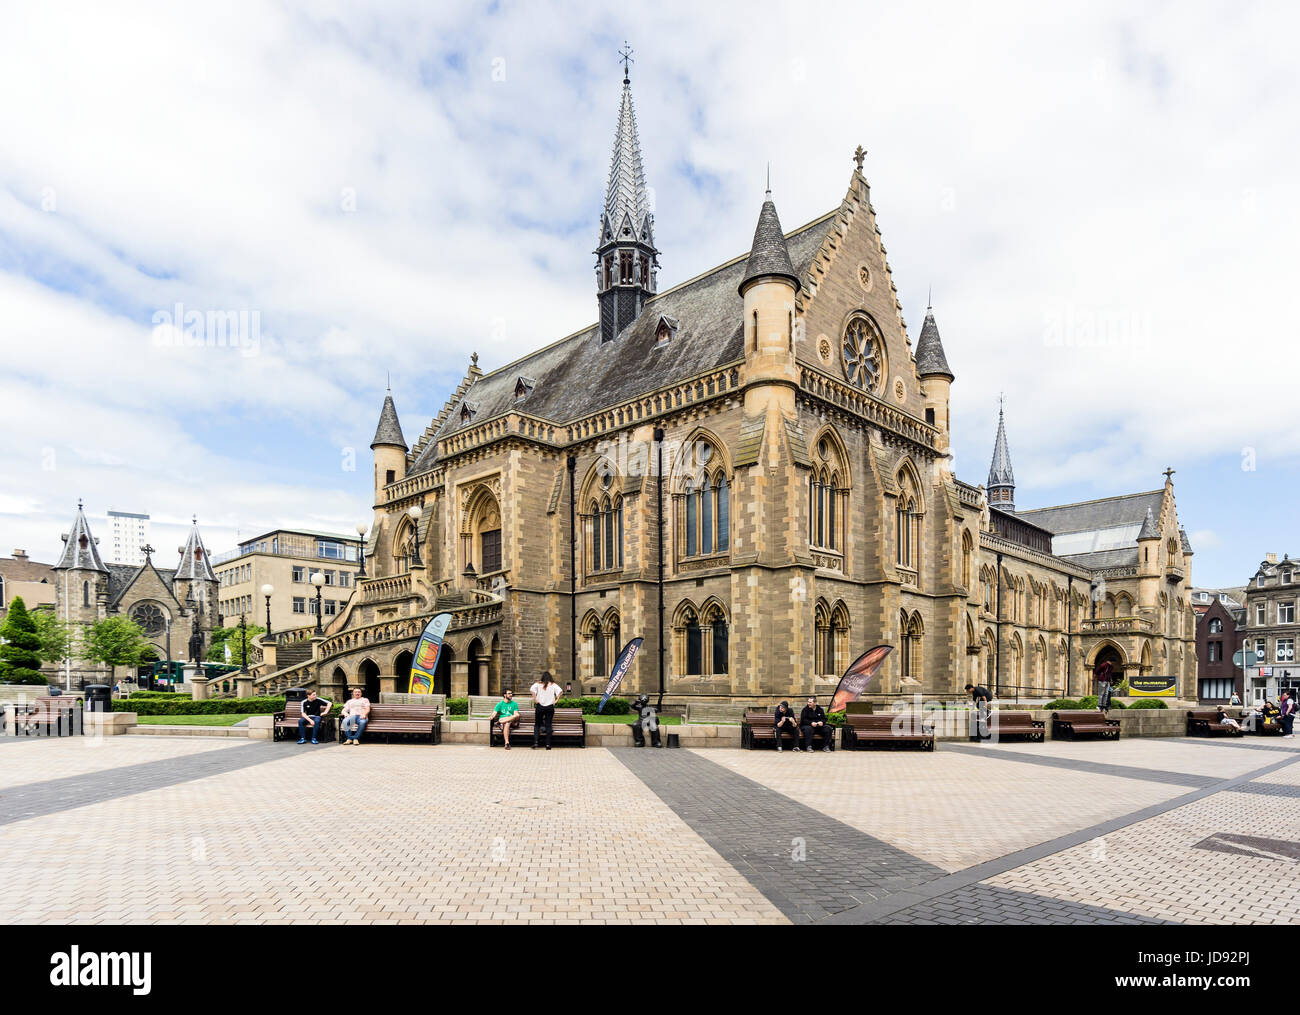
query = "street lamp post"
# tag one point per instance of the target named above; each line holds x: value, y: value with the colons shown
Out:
x: 413, y: 513
x: 318, y: 580
x: 267, y: 589
x: 361, y: 549
x: 243, y: 645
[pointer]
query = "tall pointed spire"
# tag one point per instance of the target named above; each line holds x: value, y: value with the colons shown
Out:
x: 930, y: 358
x: 194, y: 563
x: 389, y: 430
x: 627, y: 265
x: 1002, y: 481
x: 79, y: 549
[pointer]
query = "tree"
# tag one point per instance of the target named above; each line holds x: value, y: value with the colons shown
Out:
x: 20, y: 655
x: 56, y: 636
x: 116, y: 641
x: 222, y: 636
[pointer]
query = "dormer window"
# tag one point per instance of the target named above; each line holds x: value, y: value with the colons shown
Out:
x: 467, y: 412
x: 665, y: 330
x: 523, y: 386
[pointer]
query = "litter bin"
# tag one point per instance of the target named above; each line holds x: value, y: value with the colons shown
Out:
x: 99, y: 698
x: 295, y: 694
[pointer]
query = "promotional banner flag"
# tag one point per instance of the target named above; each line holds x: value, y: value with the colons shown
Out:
x: 425, y: 663
x: 621, y: 665
x: 857, y: 678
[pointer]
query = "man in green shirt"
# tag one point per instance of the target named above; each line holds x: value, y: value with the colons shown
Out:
x: 506, y: 713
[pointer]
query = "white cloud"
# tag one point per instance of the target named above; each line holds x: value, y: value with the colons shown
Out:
x: 364, y: 182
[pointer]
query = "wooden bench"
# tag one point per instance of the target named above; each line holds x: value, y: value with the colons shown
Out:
x: 481, y: 705
x: 1085, y: 724
x: 288, y: 720
x: 758, y: 729
x: 51, y: 716
x: 438, y: 701
x: 1205, y: 722
x: 889, y: 729
x: 567, y: 724
x: 1006, y: 723
x: 401, y: 720
x: 704, y: 713
x: 1269, y: 729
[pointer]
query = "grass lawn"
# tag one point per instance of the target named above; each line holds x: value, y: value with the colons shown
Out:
x: 189, y: 720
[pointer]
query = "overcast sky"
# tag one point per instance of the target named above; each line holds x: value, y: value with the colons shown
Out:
x: 1102, y: 200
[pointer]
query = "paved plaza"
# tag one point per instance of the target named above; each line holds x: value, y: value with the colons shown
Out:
x: 156, y: 829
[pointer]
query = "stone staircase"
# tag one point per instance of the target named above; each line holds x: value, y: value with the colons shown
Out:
x: 292, y: 655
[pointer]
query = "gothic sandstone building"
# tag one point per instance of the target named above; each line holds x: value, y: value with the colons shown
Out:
x: 806, y: 509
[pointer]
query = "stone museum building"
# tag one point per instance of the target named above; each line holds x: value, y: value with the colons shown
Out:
x: 170, y: 605
x: 806, y: 508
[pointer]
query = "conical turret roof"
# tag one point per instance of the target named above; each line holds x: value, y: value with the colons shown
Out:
x: 389, y: 431
x: 1149, y: 530
x: 930, y: 360
x: 194, y: 562
x: 768, y: 256
x: 79, y: 549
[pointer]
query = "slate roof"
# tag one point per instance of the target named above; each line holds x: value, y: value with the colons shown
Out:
x: 1106, y: 513
x: 74, y: 553
x: 1182, y: 538
x: 1104, y: 558
x: 389, y: 430
x: 120, y: 577
x: 25, y: 570
x: 579, y: 374
x: 930, y: 360
x: 1149, y: 528
x: 768, y: 255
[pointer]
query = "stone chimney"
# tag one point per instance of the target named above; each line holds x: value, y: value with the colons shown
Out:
x: 20, y: 555
x: 1271, y: 558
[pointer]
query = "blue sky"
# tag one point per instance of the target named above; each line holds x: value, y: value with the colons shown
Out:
x: 1102, y: 201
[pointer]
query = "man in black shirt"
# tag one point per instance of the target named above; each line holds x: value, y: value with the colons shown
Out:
x: 782, y: 723
x: 980, y: 695
x: 812, y: 723
x: 314, y: 710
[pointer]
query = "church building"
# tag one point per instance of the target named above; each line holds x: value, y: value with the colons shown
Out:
x: 751, y: 471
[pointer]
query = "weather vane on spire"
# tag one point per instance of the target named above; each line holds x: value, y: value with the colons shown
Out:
x: 626, y: 55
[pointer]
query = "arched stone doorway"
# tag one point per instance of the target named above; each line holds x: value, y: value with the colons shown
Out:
x: 442, y: 675
x: 402, y: 672
x: 478, y: 667
x: 368, y: 678
x: 1111, y: 653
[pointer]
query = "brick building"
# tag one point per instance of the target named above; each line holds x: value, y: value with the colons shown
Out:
x: 1219, y: 634
x: 806, y: 508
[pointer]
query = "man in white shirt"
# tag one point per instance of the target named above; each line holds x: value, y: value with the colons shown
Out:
x: 356, y: 713
x: 546, y: 692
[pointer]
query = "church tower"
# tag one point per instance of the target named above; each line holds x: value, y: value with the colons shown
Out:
x: 195, y: 584
x: 82, y: 578
x: 389, y: 447
x: 1001, y: 486
x: 768, y: 290
x: 627, y: 262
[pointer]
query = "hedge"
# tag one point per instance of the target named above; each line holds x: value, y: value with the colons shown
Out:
x: 187, y: 706
x: 1062, y: 705
x: 1148, y: 703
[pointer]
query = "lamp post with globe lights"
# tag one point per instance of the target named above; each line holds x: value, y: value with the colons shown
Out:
x: 267, y: 589
x: 413, y: 513
x: 318, y: 580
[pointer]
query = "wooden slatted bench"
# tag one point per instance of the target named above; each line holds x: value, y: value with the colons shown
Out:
x: 567, y: 724
x: 54, y: 715
x: 1205, y: 722
x: 704, y: 713
x: 288, y: 720
x: 887, y: 729
x: 1006, y: 723
x: 758, y: 729
x: 481, y: 705
x: 1084, y: 723
x: 391, y: 720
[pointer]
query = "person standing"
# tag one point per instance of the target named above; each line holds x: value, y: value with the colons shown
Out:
x: 1103, y: 675
x: 782, y: 723
x: 506, y: 714
x: 980, y: 697
x: 314, y: 711
x: 546, y: 692
x: 1288, y: 713
x: 812, y: 722
x: 355, y: 715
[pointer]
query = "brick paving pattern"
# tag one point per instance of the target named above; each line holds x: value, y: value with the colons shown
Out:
x: 192, y: 829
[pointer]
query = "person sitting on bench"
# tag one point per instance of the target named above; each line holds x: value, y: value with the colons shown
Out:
x: 1228, y: 720
x: 314, y: 709
x: 356, y: 713
x: 812, y: 720
x: 506, y: 713
x: 783, y: 720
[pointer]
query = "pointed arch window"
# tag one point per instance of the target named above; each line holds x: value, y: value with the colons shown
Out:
x: 85, y: 593
x: 694, y: 646
x: 704, y: 516
x: 827, y: 497
x: 907, y: 523
x: 702, y: 640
